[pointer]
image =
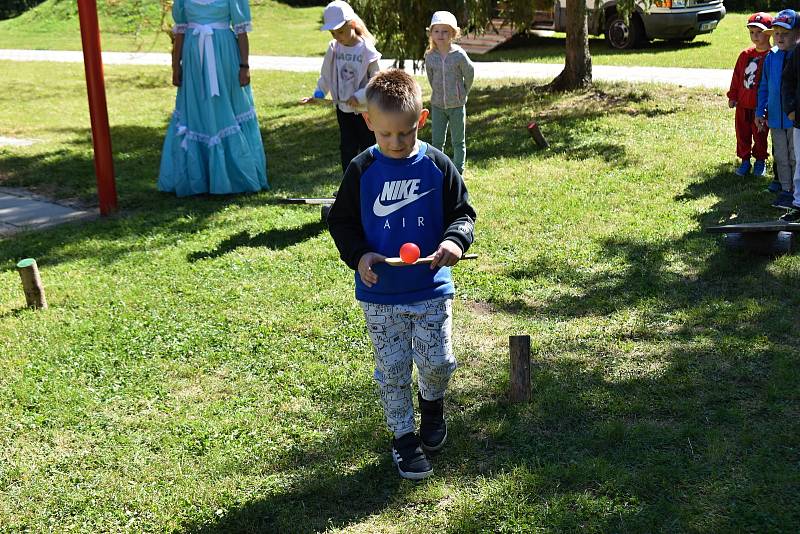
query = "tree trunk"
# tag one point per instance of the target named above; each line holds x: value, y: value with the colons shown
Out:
x: 577, y: 71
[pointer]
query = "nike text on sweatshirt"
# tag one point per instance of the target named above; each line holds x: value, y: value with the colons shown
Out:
x: 383, y: 203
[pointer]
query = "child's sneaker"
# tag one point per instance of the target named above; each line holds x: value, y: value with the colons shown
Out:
x: 783, y: 200
x: 774, y: 187
x: 760, y: 167
x: 791, y: 216
x: 432, y: 426
x: 744, y: 168
x: 407, y: 455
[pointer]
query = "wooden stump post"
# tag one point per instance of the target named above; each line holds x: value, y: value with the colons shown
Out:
x: 538, y: 136
x: 32, y: 284
x: 520, y: 347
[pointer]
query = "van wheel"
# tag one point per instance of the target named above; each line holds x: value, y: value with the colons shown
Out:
x: 624, y: 35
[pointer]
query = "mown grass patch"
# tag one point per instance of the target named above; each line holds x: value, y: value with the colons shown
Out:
x: 204, y: 368
x: 279, y: 30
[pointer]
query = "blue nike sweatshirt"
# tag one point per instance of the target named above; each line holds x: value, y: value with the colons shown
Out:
x: 383, y: 203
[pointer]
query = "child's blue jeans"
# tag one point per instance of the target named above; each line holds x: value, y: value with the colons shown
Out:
x: 456, y: 119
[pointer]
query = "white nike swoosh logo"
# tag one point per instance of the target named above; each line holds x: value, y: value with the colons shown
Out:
x: 382, y: 211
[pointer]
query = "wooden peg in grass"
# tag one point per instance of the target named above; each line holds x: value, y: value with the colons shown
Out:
x: 520, y: 373
x: 32, y: 284
x: 538, y: 136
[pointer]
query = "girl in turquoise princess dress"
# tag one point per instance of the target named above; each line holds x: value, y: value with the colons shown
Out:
x: 213, y: 143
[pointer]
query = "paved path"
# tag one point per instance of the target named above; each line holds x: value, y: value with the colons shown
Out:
x: 16, y: 141
x: 19, y: 210
x: 713, y: 78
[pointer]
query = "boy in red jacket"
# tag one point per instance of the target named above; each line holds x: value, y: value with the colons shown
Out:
x: 743, y: 95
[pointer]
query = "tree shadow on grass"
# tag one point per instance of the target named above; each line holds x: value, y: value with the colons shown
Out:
x: 323, y: 499
x: 68, y: 172
x: 323, y: 488
x: 692, y: 436
x: 679, y: 427
x: 645, y: 273
x: 501, y: 115
x: 275, y: 239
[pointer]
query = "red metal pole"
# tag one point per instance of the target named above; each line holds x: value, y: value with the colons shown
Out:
x: 98, y: 109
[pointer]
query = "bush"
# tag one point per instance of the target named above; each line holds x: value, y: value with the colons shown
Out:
x: 13, y: 8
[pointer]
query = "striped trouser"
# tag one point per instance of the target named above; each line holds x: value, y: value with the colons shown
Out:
x: 403, y: 334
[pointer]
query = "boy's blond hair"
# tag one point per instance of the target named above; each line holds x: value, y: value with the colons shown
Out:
x: 396, y: 91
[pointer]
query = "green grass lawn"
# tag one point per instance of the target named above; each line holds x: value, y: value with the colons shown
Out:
x: 204, y: 368
x: 718, y: 49
x: 279, y: 30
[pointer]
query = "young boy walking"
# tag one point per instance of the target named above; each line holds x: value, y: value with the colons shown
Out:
x: 743, y: 95
x: 403, y: 190
x: 769, y: 112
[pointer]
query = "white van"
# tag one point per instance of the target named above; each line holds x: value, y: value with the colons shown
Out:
x: 675, y: 20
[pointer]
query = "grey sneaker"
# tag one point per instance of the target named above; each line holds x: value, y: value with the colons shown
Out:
x: 407, y: 455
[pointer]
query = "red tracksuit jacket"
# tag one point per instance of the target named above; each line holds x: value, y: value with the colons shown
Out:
x: 746, y: 75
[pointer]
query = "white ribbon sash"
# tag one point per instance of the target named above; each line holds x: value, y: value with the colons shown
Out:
x: 205, y: 47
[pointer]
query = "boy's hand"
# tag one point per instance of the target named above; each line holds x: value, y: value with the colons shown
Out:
x: 365, y: 271
x: 731, y: 103
x: 791, y: 116
x: 446, y: 255
x: 761, y: 123
x: 353, y: 102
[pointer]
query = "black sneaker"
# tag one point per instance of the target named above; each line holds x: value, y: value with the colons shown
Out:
x: 791, y: 216
x: 407, y: 455
x: 784, y: 201
x: 432, y: 427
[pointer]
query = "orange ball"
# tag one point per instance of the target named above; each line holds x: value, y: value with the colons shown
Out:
x: 409, y: 253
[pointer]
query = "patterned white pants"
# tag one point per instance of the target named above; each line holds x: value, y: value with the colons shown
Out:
x: 403, y: 334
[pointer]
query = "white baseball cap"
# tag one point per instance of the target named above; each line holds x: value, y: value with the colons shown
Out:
x: 336, y: 14
x: 446, y: 18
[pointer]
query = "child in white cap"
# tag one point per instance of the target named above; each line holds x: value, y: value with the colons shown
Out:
x: 450, y: 73
x: 350, y: 61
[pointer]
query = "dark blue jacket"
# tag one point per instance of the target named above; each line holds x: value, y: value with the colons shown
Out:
x: 769, y: 90
x: 790, y: 86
